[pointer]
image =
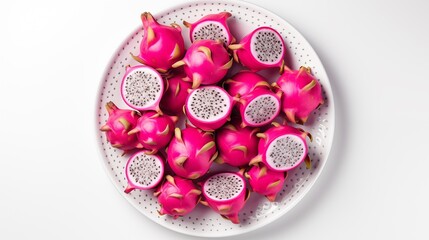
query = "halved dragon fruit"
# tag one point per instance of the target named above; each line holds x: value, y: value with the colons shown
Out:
x: 211, y: 26
x: 259, y: 107
x: 191, y: 152
x: 282, y: 148
x: 143, y: 171
x: 208, y: 107
x: 226, y: 194
x: 154, y: 131
x: 142, y: 88
x: 261, y: 49
x: 244, y: 82
x: 118, y: 125
x: 206, y: 62
x: 161, y: 45
x: 175, y: 95
x: 265, y: 181
x: 177, y: 196
x: 236, y: 145
x: 302, y: 94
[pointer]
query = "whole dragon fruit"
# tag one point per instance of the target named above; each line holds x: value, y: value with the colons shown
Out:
x: 177, y: 196
x: 154, y: 131
x: 211, y: 26
x: 161, y: 45
x: 244, y: 82
x: 191, y: 152
x: 302, y: 94
x: 118, y: 125
x: 226, y: 194
x: 261, y: 49
x: 206, y: 62
x: 175, y: 95
x: 282, y: 148
x: 265, y: 181
x: 236, y: 145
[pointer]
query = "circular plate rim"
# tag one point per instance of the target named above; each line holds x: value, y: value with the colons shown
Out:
x: 280, y: 213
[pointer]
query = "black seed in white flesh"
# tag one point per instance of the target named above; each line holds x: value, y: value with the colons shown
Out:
x: 142, y: 88
x: 267, y: 47
x: 261, y: 110
x: 210, y: 30
x: 224, y: 186
x: 145, y: 171
x: 208, y: 104
x: 285, y: 152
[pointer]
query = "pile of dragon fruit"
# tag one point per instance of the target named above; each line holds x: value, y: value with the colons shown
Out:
x: 240, y: 121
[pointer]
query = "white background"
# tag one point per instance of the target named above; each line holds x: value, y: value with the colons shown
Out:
x: 53, y: 186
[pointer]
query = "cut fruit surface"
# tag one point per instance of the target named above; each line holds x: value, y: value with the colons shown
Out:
x: 142, y: 88
x: 143, y: 171
x: 224, y: 186
x: 261, y: 110
x: 285, y: 152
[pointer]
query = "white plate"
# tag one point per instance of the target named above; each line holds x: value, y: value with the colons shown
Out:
x: 258, y: 211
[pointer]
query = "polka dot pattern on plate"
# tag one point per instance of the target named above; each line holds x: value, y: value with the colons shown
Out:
x: 258, y: 211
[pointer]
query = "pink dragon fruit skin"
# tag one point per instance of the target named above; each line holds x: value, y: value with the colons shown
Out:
x: 236, y: 145
x: 177, y: 196
x: 244, y: 82
x: 206, y: 62
x: 209, y: 124
x: 191, y: 152
x: 161, y: 45
x: 250, y: 97
x: 243, y: 52
x: 118, y: 125
x: 273, y: 134
x: 302, y: 94
x: 217, y: 19
x: 265, y: 181
x: 175, y: 95
x: 227, y: 208
x: 154, y: 131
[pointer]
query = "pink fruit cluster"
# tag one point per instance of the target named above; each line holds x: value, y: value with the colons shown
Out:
x: 196, y: 84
